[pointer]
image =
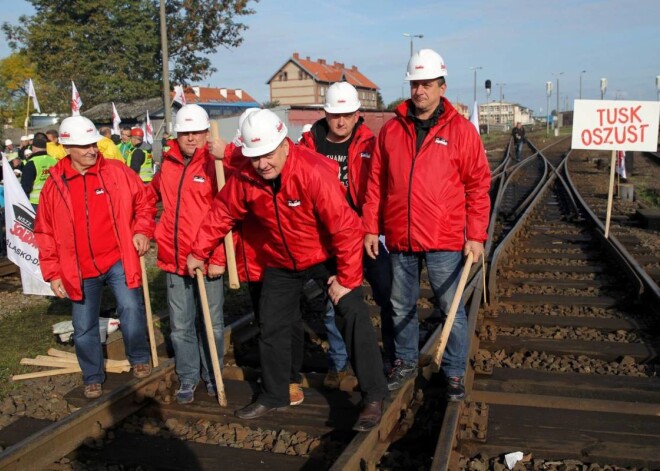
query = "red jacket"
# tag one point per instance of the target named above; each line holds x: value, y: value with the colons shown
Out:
x: 305, y: 223
x: 187, y: 193
x: 432, y: 199
x: 130, y: 211
x: 249, y: 238
x: 359, y: 156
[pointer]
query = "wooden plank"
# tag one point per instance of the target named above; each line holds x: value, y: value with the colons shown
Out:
x: 529, y: 320
x: 608, y: 351
x: 559, y: 300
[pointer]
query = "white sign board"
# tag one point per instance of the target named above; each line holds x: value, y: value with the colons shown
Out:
x: 616, y: 125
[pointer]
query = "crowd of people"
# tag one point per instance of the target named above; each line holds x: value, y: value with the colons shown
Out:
x: 309, y: 220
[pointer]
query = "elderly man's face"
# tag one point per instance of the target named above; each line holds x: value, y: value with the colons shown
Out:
x: 269, y: 166
x: 192, y: 140
x: 83, y: 157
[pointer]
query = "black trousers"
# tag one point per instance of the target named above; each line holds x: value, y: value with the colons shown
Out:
x: 297, y: 333
x: 280, y: 315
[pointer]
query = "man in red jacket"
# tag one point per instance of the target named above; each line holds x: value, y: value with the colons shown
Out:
x: 313, y: 240
x: 93, y: 224
x: 186, y: 184
x: 343, y: 137
x: 428, y: 189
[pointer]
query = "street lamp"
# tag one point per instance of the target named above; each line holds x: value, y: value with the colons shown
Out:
x: 475, y: 80
x: 487, y: 85
x: 557, y: 91
x: 501, y: 85
x: 657, y: 86
x: 583, y: 72
x: 411, y: 36
x: 548, y: 93
x: 603, y: 87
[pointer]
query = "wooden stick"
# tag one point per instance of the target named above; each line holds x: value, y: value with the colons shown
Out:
x: 56, y: 364
x: 609, y: 195
x: 451, y: 315
x: 150, y: 319
x: 41, y: 374
x: 232, y: 270
x: 118, y: 363
x: 61, y: 353
x: 213, y: 349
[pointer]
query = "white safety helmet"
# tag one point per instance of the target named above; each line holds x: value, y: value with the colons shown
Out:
x: 425, y: 64
x: 261, y: 132
x: 238, y: 142
x: 191, y: 118
x: 341, y: 97
x: 78, y: 131
x: 8, y: 142
x: 24, y: 138
x: 30, y: 137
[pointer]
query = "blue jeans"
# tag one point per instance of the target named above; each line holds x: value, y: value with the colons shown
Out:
x: 379, y: 275
x: 86, y: 336
x: 519, y: 147
x: 444, y: 271
x: 191, y: 350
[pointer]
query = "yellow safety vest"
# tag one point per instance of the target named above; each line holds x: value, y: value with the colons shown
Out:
x: 41, y: 164
x: 147, y: 167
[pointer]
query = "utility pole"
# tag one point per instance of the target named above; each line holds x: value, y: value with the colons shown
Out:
x: 603, y: 87
x: 166, y: 69
x: 487, y: 84
x: 501, y: 85
x: 548, y: 93
x: 411, y: 36
x: 557, y: 92
x: 583, y: 72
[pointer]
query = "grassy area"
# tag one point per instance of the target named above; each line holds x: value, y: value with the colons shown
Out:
x: 27, y: 333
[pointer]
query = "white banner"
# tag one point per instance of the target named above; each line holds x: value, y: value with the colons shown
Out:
x: 148, y: 131
x: 115, y: 121
x: 179, y: 96
x: 76, y: 101
x: 33, y: 94
x: 21, y: 244
x: 616, y: 125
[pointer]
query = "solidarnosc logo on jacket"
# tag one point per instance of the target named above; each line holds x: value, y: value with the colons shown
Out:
x: 293, y: 203
x: 365, y: 155
x: 198, y: 179
x: 99, y: 191
x: 441, y: 140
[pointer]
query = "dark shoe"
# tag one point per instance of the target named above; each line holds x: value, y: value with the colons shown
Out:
x: 255, y: 410
x: 186, y: 393
x: 455, y: 388
x: 211, y: 389
x: 401, y: 373
x: 141, y: 370
x: 93, y: 391
x: 369, y: 416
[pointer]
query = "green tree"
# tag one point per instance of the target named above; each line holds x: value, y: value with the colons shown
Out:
x: 111, y: 48
x: 15, y: 70
x: 392, y: 106
x: 380, y: 104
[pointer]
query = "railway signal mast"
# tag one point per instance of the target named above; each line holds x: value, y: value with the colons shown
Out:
x: 603, y: 87
x: 488, y: 89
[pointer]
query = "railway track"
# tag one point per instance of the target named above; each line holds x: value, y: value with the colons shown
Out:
x: 564, y: 358
x: 563, y: 367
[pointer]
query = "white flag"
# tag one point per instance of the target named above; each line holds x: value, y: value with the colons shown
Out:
x: 148, y: 131
x: 620, y: 167
x: 33, y: 94
x: 179, y: 96
x: 76, y: 101
x: 21, y: 244
x: 474, y: 119
x: 115, y: 120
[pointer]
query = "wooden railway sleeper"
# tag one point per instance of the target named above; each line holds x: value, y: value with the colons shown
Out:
x: 473, y: 423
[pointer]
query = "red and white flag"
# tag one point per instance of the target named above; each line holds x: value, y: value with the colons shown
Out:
x: 115, y: 120
x: 148, y: 131
x: 19, y: 227
x: 33, y: 94
x: 620, y: 167
x: 76, y: 101
x: 179, y: 96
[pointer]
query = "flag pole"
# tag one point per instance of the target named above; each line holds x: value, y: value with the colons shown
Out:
x: 27, y: 114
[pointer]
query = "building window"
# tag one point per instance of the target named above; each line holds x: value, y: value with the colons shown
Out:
x: 322, y: 91
x: 300, y: 75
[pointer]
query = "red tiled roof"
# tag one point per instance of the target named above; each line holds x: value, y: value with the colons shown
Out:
x: 321, y: 71
x: 215, y: 95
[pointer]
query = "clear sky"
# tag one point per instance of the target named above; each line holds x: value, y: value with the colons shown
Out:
x: 521, y: 44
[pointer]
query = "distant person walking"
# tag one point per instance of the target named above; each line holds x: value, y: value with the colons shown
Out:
x: 518, y: 134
